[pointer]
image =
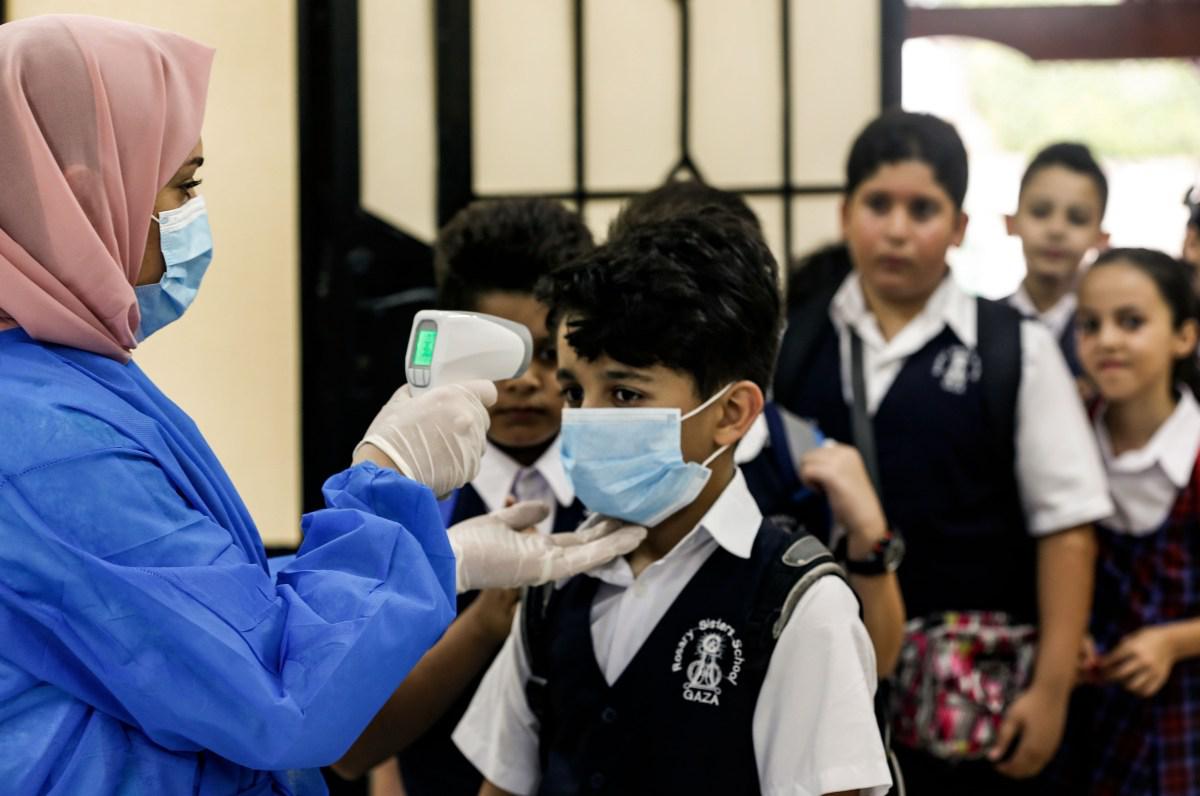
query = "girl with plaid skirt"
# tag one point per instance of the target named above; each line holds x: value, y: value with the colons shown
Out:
x: 1135, y: 725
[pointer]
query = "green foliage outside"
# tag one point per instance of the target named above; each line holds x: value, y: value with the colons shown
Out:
x: 1125, y: 109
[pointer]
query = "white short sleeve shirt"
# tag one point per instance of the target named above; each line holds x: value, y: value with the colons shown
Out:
x: 1058, y: 465
x: 1145, y: 482
x: 814, y: 724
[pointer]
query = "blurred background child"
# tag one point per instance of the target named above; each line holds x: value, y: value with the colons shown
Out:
x: 1058, y: 219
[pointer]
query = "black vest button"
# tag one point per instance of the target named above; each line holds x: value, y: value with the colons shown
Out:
x: 596, y: 781
x: 608, y: 715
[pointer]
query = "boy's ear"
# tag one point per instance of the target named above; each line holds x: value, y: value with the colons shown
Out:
x: 843, y: 209
x: 1010, y: 223
x: 960, y: 228
x: 741, y: 406
x: 1102, y: 241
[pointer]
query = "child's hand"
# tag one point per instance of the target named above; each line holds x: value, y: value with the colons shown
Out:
x: 839, y: 472
x: 1036, y: 720
x: 1142, y: 662
x: 492, y: 612
x: 1087, y: 669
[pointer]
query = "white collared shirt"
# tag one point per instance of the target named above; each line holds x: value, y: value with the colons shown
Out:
x: 1057, y: 318
x: 1058, y: 467
x: 814, y: 725
x: 501, y: 476
x: 1145, y: 482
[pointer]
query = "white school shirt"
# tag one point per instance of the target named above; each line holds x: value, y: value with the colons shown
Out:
x: 814, y: 723
x: 1145, y: 483
x: 500, y: 475
x: 1058, y: 468
x: 1057, y: 318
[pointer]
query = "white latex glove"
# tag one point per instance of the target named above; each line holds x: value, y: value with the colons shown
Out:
x: 492, y: 553
x: 436, y: 438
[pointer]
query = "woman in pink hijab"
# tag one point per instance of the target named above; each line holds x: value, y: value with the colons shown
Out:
x: 145, y: 647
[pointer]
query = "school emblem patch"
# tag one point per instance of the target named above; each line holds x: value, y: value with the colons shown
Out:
x: 957, y: 367
x: 710, y: 656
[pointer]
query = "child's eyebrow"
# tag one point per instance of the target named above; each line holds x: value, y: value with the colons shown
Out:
x: 626, y: 375
x: 563, y: 374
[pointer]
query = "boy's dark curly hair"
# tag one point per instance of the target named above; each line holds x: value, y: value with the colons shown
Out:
x: 504, y: 245
x: 1074, y: 157
x: 693, y: 293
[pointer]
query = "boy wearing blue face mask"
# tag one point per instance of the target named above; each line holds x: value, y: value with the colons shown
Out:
x: 715, y: 658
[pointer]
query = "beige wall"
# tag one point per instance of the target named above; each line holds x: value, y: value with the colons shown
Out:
x: 233, y: 362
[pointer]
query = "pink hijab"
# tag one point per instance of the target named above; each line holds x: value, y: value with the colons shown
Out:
x: 96, y: 116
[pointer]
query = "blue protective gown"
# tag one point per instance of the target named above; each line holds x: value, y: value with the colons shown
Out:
x: 144, y: 646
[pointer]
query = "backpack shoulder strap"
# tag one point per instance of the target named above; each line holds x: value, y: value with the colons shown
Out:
x: 788, y: 578
x: 790, y: 438
x: 999, y: 346
x: 806, y: 319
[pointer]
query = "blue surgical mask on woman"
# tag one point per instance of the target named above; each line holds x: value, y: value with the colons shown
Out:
x: 628, y: 463
x: 186, y: 242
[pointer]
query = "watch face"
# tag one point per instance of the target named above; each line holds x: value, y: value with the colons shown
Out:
x: 893, y: 553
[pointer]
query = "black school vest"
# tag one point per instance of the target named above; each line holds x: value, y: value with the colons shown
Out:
x: 948, y: 479
x: 679, y: 718
x: 432, y: 764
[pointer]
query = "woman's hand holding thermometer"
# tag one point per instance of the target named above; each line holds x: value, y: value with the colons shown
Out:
x: 436, y: 437
x: 434, y: 428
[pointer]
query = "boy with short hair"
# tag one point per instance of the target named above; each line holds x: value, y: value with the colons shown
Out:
x: 486, y: 259
x: 1059, y: 212
x: 798, y: 477
x: 669, y: 671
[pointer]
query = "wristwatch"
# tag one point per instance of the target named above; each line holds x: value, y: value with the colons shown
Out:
x: 885, y: 556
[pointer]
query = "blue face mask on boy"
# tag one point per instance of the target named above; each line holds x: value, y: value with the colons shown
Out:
x: 186, y: 242
x: 628, y: 463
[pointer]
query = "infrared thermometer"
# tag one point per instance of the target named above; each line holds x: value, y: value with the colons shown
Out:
x: 448, y: 347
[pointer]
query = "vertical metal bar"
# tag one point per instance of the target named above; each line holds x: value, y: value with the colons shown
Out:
x: 785, y: 25
x: 685, y: 83
x: 580, y: 104
x: 892, y: 24
x: 455, y: 167
x: 327, y: 72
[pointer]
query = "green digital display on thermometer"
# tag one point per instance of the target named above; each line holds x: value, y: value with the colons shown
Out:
x: 423, y: 353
